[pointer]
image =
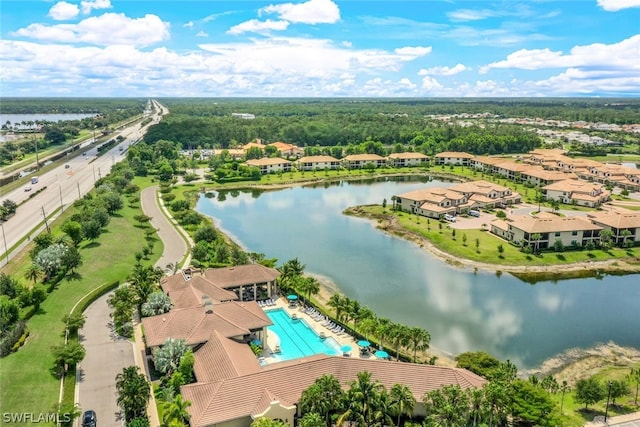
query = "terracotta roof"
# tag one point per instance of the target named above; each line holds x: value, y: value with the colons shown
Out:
x: 221, y: 358
x: 433, y: 207
x: 408, y: 155
x: 617, y: 219
x: 248, y: 274
x: 243, y: 396
x: 549, y: 224
x: 317, y: 159
x: 574, y: 185
x: 478, y: 187
x: 549, y: 175
x: 253, y: 144
x: 455, y: 154
x: 363, y: 157
x: 283, y: 146
x: 176, y: 281
x: 194, y: 325
x: 266, y: 161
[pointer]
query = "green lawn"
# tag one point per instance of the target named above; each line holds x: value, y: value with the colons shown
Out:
x: 26, y: 381
x: 441, y: 235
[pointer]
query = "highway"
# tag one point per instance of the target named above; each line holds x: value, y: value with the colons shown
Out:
x: 65, y: 184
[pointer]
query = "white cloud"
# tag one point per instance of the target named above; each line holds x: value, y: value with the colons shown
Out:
x: 107, y: 29
x: 429, y: 84
x: 622, y: 55
x: 88, y: 6
x: 443, y: 71
x: 188, y: 24
x: 256, y: 26
x: 309, y: 12
x: 471, y: 14
x: 616, y: 5
x: 413, y: 51
x: 202, y: 34
x: 63, y: 11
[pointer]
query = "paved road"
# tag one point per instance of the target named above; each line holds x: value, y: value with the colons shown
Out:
x: 106, y: 355
x: 175, y: 246
x: 63, y: 187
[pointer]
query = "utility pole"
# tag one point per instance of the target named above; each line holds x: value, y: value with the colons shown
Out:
x: 61, y: 205
x: 79, y: 196
x: 35, y: 140
x: 45, y: 221
x: 94, y: 175
x: 6, y: 249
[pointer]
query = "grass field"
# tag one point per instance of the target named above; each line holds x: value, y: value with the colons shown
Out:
x: 441, y: 235
x: 26, y: 380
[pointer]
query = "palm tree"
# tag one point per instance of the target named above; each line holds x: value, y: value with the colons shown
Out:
x: 362, y: 399
x: 383, y: 327
x: 403, y: 401
x: 133, y: 392
x: 290, y: 269
x: 336, y: 301
x: 322, y: 397
x: 448, y: 406
x: 606, y: 236
x: 308, y: 286
x: 625, y: 234
x: 419, y: 340
x: 175, y: 413
x: 34, y: 272
x: 399, y: 337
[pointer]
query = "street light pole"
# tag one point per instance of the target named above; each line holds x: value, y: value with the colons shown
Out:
x: 606, y: 411
x: 6, y: 249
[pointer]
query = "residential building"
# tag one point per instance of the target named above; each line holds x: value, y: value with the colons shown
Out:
x: 453, y: 158
x: 543, y: 230
x: 359, y: 161
x: 270, y: 164
x: 400, y: 160
x: 619, y: 221
x: 487, y: 194
x: 582, y: 193
x: 287, y: 150
x: 311, y: 163
x: 432, y: 202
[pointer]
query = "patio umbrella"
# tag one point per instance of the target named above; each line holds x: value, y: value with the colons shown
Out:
x: 292, y: 297
x: 256, y: 342
x: 345, y: 348
x: 381, y: 354
x: 364, y: 343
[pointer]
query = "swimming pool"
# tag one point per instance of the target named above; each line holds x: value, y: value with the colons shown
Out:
x: 297, y: 338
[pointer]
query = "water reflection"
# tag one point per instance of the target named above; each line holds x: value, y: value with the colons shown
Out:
x: 462, y: 310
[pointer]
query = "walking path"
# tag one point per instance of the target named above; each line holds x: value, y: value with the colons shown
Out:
x: 628, y: 420
x: 177, y: 246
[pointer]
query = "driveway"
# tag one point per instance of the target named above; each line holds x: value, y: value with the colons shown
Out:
x: 106, y: 355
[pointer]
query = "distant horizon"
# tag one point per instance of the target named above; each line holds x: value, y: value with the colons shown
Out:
x: 320, y: 49
x: 294, y: 98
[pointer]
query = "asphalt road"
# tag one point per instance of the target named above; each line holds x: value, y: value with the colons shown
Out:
x: 63, y: 187
x: 106, y: 356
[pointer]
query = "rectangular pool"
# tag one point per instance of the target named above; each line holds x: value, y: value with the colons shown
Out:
x: 297, y: 338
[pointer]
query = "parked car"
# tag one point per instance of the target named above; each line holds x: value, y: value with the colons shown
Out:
x: 27, y: 188
x: 89, y: 419
x: 67, y: 166
x: 450, y: 218
x: 474, y: 213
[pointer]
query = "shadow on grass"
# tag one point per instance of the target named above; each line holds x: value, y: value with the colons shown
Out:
x: 92, y: 245
x: 74, y: 276
x: 590, y: 255
x: 561, y: 257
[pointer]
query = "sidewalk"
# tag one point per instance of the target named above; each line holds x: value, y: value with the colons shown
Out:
x: 177, y: 244
x: 629, y: 420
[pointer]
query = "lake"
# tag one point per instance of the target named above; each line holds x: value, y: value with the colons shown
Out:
x: 463, y: 310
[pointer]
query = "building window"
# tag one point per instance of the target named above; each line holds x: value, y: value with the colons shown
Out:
x: 574, y: 233
x: 557, y: 234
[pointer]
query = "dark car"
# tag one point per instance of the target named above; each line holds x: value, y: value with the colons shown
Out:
x: 89, y: 419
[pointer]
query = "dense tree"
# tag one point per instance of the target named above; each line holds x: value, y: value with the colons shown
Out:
x: 74, y: 321
x: 589, y: 391
x: 634, y: 378
x: 267, y: 422
x: 9, y: 312
x: 479, y: 362
x: 134, y: 392
x: 68, y: 355
x: 362, y: 401
x: 73, y: 229
x: 618, y: 389
x: 323, y: 397
x: 447, y: 406
x: 175, y: 413
x: 402, y: 401
x: 531, y: 405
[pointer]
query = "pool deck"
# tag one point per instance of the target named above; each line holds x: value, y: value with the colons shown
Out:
x: 298, y: 310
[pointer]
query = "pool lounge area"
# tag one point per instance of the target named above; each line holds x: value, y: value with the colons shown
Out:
x: 292, y: 338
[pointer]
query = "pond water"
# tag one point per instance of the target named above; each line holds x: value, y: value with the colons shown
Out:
x: 463, y: 310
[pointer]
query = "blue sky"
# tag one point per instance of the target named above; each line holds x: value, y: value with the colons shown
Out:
x: 326, y: 48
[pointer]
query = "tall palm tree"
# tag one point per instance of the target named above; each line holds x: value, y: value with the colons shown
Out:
x: 308, y: 286
x: 363, y: 314
x: 133, y: 392
x: 399, y: 337
x: 323, y: 397
x: 362, y: 399
x: 419, y: 340
x: 536, y: 239
x: 336, y: 301
x: 383, y: 327
x: 403, y: 401
x: 175, y: 413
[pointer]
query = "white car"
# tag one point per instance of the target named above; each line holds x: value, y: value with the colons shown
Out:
x: 27, y: 188
x: 450, y: 218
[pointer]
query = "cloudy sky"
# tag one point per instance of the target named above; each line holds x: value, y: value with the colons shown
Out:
x: 309, y: 48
